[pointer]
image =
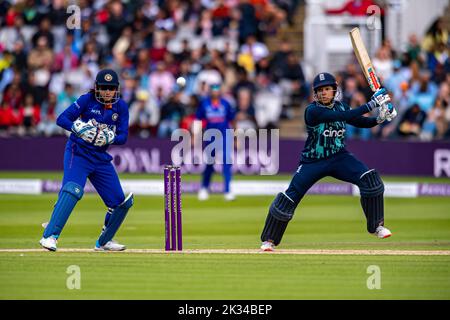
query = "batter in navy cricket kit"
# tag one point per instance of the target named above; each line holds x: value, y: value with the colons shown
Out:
x: 218, y: 114
x: 324, y: 155
x: 97, y: 120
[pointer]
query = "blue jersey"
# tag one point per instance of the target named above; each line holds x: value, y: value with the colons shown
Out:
x: 87, y: 107
x: 217, y: 115
x: 326, y: 128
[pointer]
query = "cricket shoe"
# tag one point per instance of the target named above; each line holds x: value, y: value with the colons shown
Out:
x: 382, y: 232
x: 267, y: 246
x: 49, y: 243
x: 110, y: 246
x: 229, y: 196
x: 203, y: 194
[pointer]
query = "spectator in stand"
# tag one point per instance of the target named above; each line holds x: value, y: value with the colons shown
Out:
x: 7, y: 118
x: 412, y: 121
x: 159, y: 47
x: 116, y: 22
x: 293, y: 85
x: 220, y: 18
x: 20, y: 56
x: 436, y: 124
x: 162, y: 79
x: 257, y: 50
x: 357, y: 99
x: 243, y: 83
x: 248, y: 22
x: 65, y: 98
x: 268, y: 102
x: 245, y: 113
x: 171, y: 114
x: 47, y: 126
x: 13, y: 94
x: 436, y: 34
x: 383, y: 63
x: 30, y: 115
x: 413, y: 50
x: 66, y: 60
x: 144, y: 115
x: 423, y: 94
x: 41, y: 56
x: 270, y: 16
x: 349, y: 90
x: 44, y: 31
x: 278, y: 61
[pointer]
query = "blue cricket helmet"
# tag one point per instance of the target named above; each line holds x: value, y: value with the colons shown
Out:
x: 324, y: 79
x: 107, y: 78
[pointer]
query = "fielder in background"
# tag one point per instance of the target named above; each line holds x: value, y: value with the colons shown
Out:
x: 218, y: 114
x: 97, y: 120
x: 324, y: 155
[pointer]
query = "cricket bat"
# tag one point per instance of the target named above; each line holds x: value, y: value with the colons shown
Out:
x: 366, y: 65
x: 364, y: 60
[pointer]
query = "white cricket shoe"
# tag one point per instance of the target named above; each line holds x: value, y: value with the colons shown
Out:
x: 382, y: 232
x: 110, y: 246
x: 268, y: 246
x: 49, y: 243
x: 229, y: 196
x: 203, y: 194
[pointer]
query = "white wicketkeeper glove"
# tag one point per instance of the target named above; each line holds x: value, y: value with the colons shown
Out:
x: 104, y: 137
x: 84, y: 130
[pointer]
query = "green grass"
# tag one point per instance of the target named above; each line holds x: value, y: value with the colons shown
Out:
x: 56, y: 175
x: 321, y: 222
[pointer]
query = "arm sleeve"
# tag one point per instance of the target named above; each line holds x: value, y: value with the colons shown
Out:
x: 316, y: 115
x: 122, y: 127
x: 72, y: 113
x: 363, y: 122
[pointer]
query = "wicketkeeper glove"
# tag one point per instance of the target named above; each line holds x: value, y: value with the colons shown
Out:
x: 84, y: 130
x: 104, y: 137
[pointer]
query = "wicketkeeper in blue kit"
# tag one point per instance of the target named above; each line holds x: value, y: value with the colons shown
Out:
x: 97, y: 120
x: 324, y: 155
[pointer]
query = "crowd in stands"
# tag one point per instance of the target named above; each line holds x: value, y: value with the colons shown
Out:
x: 49, y: 57
x: 417, y: 79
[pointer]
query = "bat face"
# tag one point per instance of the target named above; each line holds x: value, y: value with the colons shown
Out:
x: 373, y: 80
x: 364, y: 60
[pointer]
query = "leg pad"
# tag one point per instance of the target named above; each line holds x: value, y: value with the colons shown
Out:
x: 372, y: 200
x: 280, y: 213
x: 70, y: 194
x: 115, y: 221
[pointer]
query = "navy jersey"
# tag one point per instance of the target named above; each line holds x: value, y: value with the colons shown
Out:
x: 217, y: 116
x: 326, y: 128
x: 87, y: 107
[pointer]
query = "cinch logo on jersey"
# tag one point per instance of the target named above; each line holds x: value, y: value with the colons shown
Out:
x: 330, y: 133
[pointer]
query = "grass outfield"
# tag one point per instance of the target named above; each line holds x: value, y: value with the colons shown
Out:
x: 56, y: 175
x: 321, y: 222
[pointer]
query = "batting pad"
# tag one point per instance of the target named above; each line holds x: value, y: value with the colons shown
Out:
x: 70, y: 194
x: 115, y: 221
x: 372, y: 200
x: 280, y: 213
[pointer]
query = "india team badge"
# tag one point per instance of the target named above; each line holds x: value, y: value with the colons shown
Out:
x: 115, y: 116
x: 108, y: 77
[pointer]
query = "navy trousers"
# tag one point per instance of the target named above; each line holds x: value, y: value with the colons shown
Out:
x: 343, y: 166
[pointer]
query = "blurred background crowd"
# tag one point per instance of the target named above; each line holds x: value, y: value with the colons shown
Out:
x: 50, y: 53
